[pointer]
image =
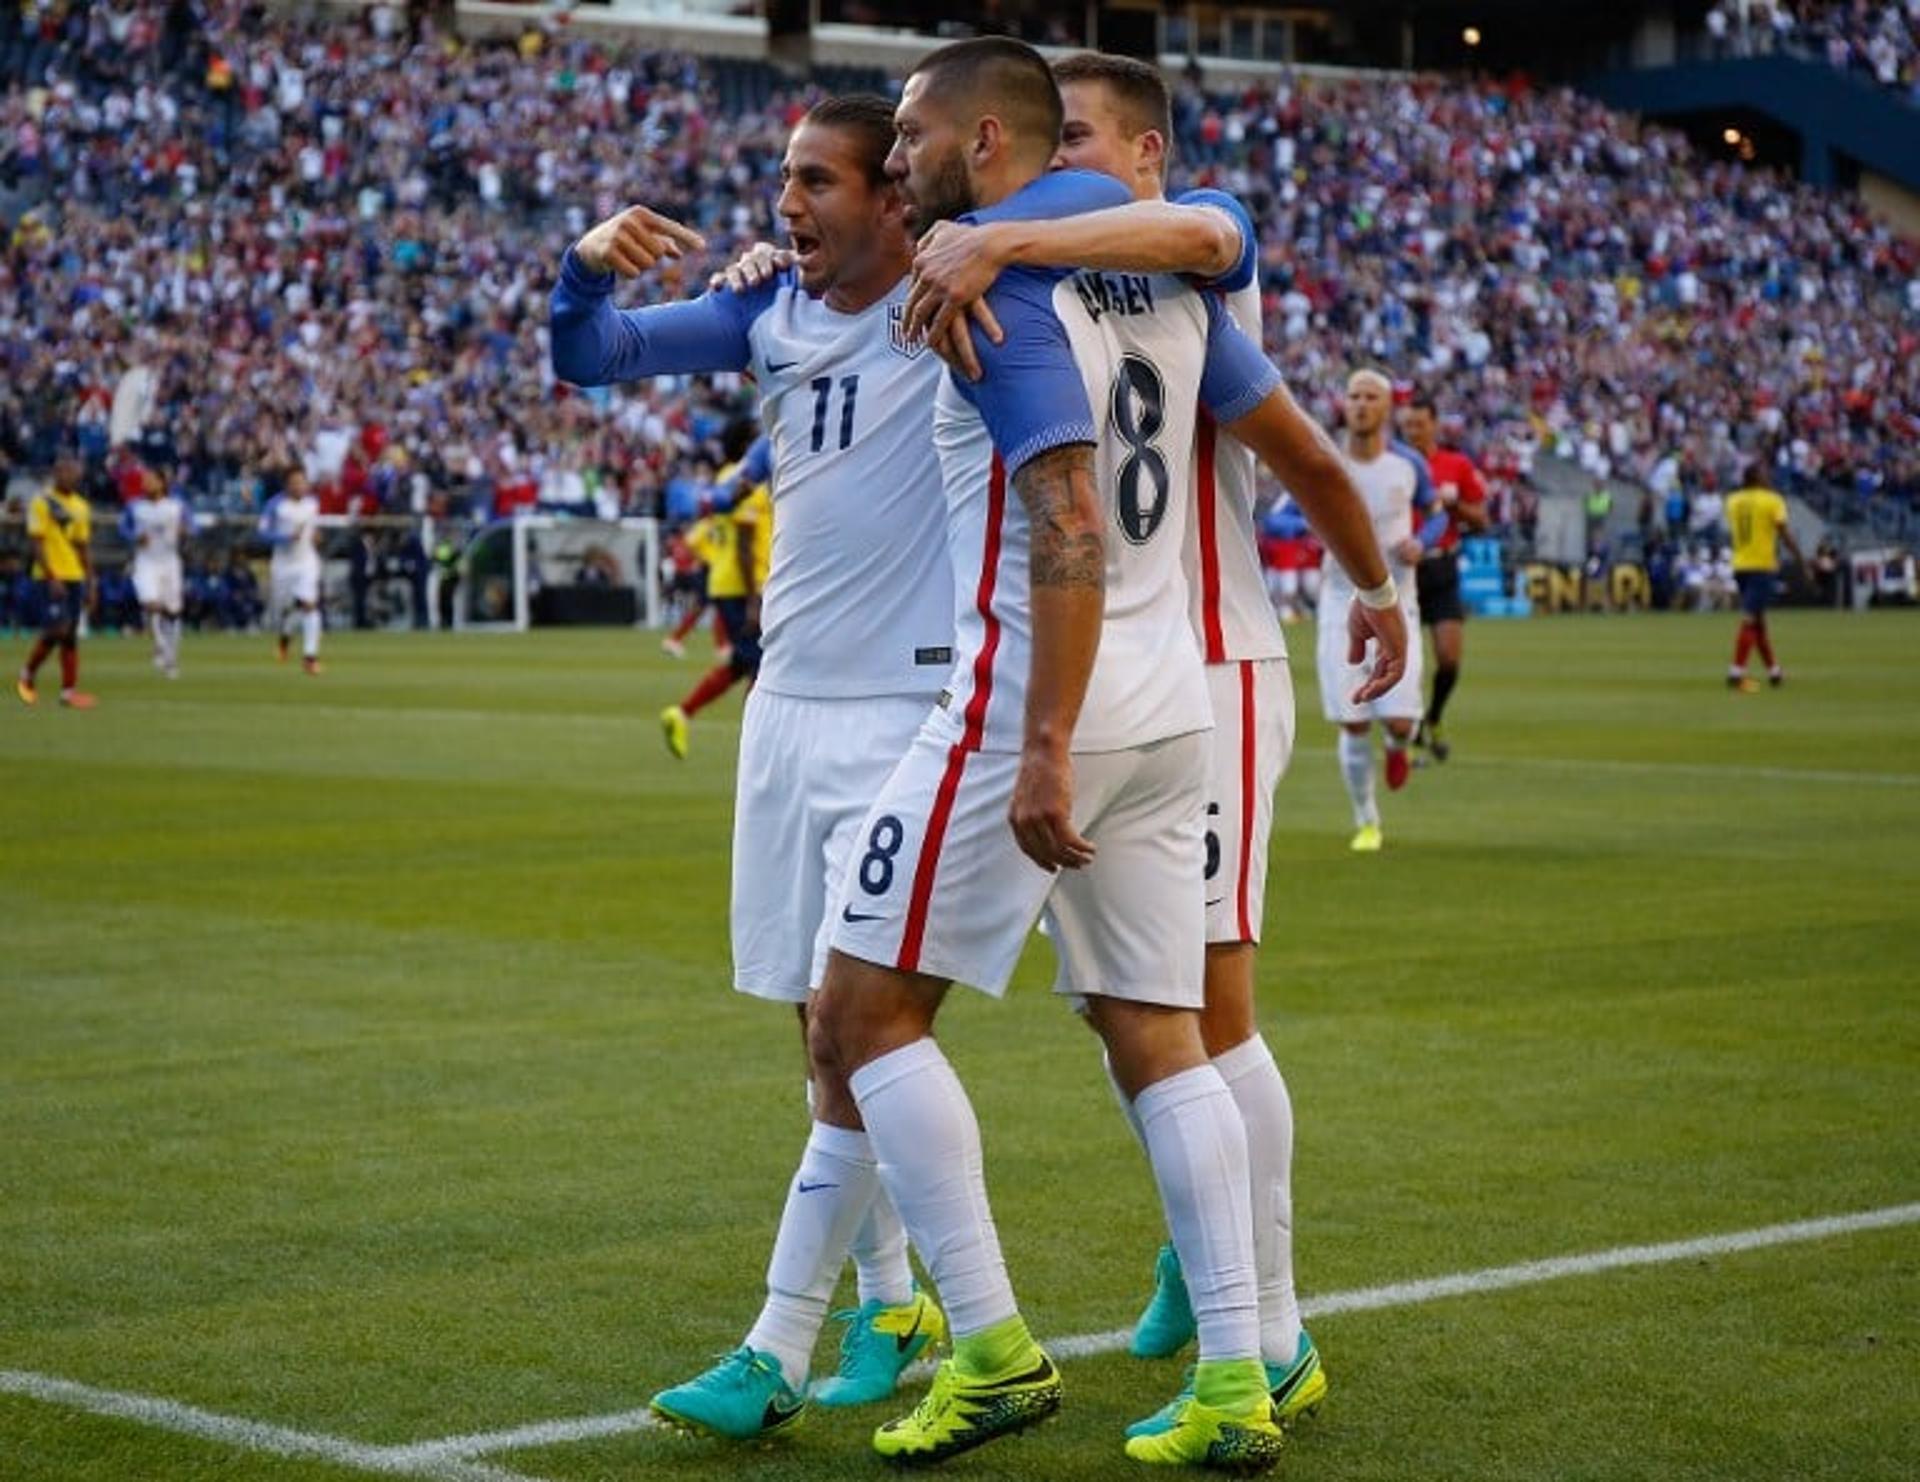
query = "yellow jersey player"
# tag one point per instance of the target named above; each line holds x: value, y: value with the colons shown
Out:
x: 59, y: 527
x: 734, y: 545
x: 1757, y: 516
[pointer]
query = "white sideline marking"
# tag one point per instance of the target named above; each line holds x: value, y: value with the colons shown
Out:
x: 248, y: 1435
x: 1362, y: 1299
x: 1731, y: 772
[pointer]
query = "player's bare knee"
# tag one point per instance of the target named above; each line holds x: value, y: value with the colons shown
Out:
x: 1146, y: 1043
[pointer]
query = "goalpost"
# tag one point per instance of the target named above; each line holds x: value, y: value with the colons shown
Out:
x: 533, y: 569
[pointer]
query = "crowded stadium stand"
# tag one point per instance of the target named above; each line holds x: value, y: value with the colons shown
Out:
x: 240, y: 239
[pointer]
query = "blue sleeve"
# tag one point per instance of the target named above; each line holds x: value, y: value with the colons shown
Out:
x: 1241, y: 273
x: 757, y: 466
x: 1434, y: 529
x: 1422, y: 475
x: 595, y: 344
x: 126, y: 523
x: 1030, y: 393
x: 1056, y: 193
x: 267, y: 528
x: 1238, y: 376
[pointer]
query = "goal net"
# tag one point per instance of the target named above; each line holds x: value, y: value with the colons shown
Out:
x: 553, y: 569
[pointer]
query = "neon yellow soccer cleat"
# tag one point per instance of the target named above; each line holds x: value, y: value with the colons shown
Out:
x: 673, y: 725
x: 1368, y: 840
x: 1197, y: 1435
x: 960, y: 1413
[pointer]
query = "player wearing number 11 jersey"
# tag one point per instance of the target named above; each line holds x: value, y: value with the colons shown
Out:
x: 857, y: 633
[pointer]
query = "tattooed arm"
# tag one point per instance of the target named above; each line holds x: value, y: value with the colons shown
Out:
x: 1067, y: 565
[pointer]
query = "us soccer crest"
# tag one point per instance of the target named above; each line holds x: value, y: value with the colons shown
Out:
x: 897, y: 336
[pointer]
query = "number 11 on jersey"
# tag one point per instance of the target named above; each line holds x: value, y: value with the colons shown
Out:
x: 822, y: 399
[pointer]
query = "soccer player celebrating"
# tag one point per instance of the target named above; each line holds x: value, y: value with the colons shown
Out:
x: 155, y: 525
x: 1757, y: 516
x: 1394, y: 488
x: 1117, y: 121
x: 1462, y: 495
x: 1076, y: 710
x: 858, y: 621
x: 734, y: 544
x: 59, y: 528
x: 291, y: 525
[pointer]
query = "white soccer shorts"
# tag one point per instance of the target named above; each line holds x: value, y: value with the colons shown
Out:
x: 1339, y: 679
x: 809, y: 770
x: 156, y: 582
x: 294, y: 584
x: 937, y: 885
x: 1252, y: 744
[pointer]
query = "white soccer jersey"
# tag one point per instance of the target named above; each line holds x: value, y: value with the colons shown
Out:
x: 859, y: 598
x: 156, y: 527
x: 1232, y: 613
x: 1388, y: 483
x: 293, y: 527
x: 1123, y: 361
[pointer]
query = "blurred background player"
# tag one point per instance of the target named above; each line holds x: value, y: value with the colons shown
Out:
x: 1392, y: 484
x: 291, y: 525
x: 155, y: 525
x: 1291, y: 557
x: 735, y: 544
x: 1462, y: 497
x: 1757, y: 517
x: 686, y: 579
x: 59, y: 527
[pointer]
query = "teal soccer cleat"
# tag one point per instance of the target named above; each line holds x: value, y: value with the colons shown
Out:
x: 742, y: 1397
x: 879, y: 1343
x: 1166, y: 1326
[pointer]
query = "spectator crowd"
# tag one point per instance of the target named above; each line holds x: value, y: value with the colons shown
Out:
x: 1878, y: 40
x: 238, y: 243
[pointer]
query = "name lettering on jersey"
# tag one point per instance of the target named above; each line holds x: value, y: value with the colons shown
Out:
x: 898, y: 340
x: 1114, y: 293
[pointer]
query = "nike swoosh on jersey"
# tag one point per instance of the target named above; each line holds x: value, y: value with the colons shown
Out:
x: 851, y: 916
x: 774, y: 367
x: 807, y: 1188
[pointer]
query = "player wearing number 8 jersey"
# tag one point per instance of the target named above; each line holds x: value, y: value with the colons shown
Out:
x: 1077, y: 709
x: 857, y: 629
x: 1117, y: 121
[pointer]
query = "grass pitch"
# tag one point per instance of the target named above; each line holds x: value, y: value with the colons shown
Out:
x: 367, y: 1067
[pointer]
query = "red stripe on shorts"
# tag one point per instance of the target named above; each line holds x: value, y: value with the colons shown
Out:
x: 1216, y: 641
x: 913, y: 935
x: 1249, y: 779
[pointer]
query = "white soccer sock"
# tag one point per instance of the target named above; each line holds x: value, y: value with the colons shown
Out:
x: 310, y: 634
x: 879, y: 1247
x: 170, y: 627
x: 1266, y: 1111
x: 826, y: 1203
x: 1126, y: 1101
x: 1199, y: 1152
x: 1356, y: 766
x: 924, y: 1132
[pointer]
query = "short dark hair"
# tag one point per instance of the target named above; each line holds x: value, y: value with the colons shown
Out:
x: 868, y: 117
x: 1001, y: 76
x: 1422, y: 401
x: 1756, y: 475
x: 1137, y: 87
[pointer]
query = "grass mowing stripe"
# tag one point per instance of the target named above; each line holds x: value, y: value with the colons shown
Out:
x: 1362, y: 1299
x: 247, y: 1435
